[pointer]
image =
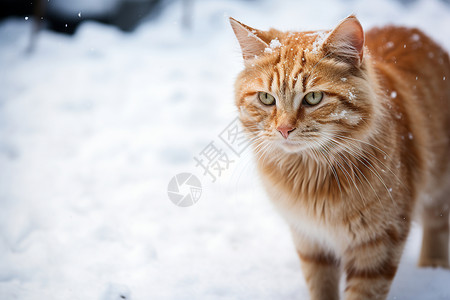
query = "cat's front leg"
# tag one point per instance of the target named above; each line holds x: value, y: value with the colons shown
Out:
x: 371, y: 265
x: 320, y: 268
x: 435, y: 236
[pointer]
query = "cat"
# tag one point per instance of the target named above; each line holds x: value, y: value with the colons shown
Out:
x: 351, y: 137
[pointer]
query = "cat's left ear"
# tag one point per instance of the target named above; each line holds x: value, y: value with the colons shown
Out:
x: 347, y: 40
x: 250, y: 39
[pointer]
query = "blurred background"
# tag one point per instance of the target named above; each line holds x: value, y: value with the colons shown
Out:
x: 103, y: 102
x: 62, y: 16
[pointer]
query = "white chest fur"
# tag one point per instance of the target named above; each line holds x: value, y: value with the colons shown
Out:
x: 311, y: 228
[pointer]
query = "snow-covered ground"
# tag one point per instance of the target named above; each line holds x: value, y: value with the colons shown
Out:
x: 94, y: 126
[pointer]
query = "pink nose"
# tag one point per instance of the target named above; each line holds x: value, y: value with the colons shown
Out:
x: 285, y: 130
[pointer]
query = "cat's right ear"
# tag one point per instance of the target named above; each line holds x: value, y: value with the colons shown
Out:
x: 347, y: 40
x: 251, y: 44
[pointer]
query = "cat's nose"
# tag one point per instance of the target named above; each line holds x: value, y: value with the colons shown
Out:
x: 285, y: 130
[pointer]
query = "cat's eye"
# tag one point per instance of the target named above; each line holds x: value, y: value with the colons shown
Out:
x: 266, y: 98
x: 313, y: 98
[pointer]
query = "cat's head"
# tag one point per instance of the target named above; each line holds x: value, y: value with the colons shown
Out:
x: 304, y: 91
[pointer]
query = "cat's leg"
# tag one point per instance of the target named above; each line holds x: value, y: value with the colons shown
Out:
x: 435, y: 238
x: 320, y: 269
x: 371, y: 265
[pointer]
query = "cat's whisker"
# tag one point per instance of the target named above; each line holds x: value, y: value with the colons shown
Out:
x: 262, y: 151
x: 357, y: 147
x: 351, y: 177
x: 355, y: 167
x: 364, y: 142
x: 363, y: 153
x: 348, y: 176
x: 248, y: 161
x: 333, y: 170
x: 322, y: 59
x: 371, y: 168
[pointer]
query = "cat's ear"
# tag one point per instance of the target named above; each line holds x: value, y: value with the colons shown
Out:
x: 347, y: 40
x: 249, y: 39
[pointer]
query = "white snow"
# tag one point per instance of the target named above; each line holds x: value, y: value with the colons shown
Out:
x: 393, y: 94
x: 339, y: 115
x: 320, y: 38
x: 275, y: 43
x: 351, y: 95
x: 94, y: 126
x: 415, y: 37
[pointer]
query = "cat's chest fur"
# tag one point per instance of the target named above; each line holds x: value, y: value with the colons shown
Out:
x: 328, y: 232
x: 322, y: 210
x: 315, y: 223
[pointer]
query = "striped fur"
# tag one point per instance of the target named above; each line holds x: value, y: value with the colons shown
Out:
x: 360, y: 165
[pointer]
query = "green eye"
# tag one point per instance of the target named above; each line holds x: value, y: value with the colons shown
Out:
x: 313, y: 98
x: 266, y: 98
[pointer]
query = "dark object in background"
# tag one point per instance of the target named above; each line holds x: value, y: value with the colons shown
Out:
x: 130, y: 13
x: 65, y: 16
x: 125, y: 14
x: 15, y: 8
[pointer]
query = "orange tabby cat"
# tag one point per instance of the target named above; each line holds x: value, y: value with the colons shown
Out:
x: 351, y: 134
